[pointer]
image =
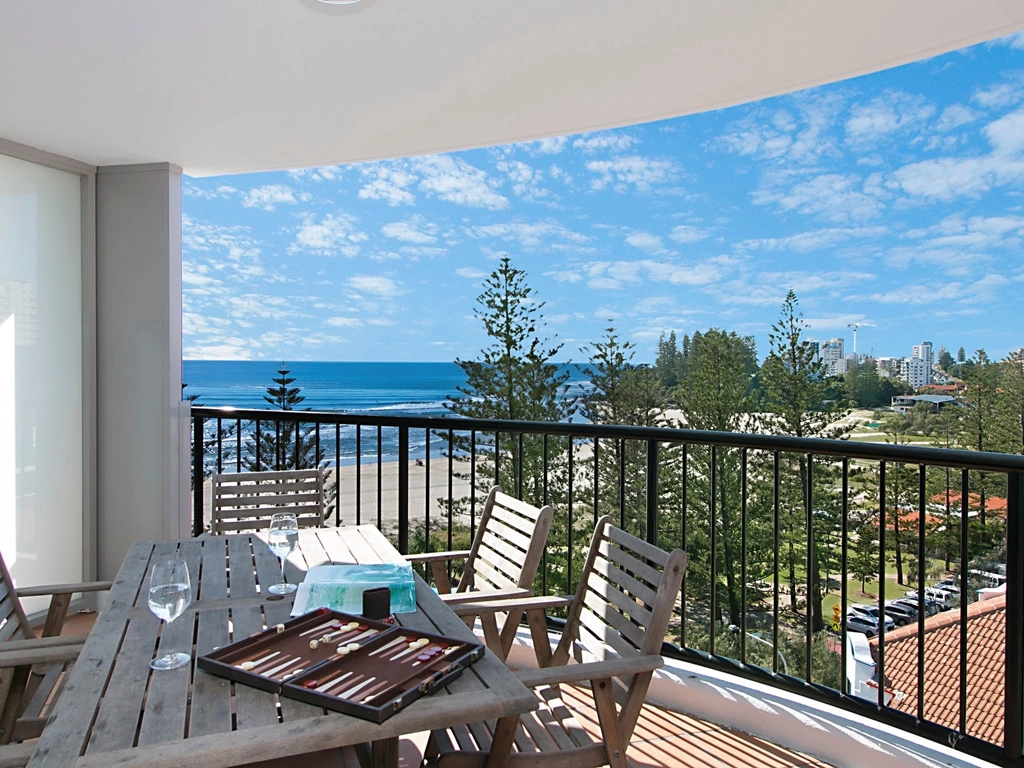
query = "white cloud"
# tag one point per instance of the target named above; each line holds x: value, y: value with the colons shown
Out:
x: 387, y: 181
x: 378, y: 285
x: 526, y: 180
x: 813, y: 240
x: 645, y: 241
x: 530, y: 235
x: 269, y: 196
x: 470, y: 273
x: 323, y: 173
x: 344, y: 322
x: 331, y: 235
x: 831, y: 195
x: 413, y: 230
x: 687, y: 234
x: 550, y: 146
x: 609, y: 141
x: 999, y: 95
x: 954, y: 116
x: 949, y: 177
x: 453, y: 179
x: 639, y: 172
x: 221, y: 191
x: 778, y: 135
x: 887, y: 114
x: 613, y: 275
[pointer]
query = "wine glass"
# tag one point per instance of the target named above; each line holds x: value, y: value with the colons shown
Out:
x: 283, y: 538
x: 170, y: 592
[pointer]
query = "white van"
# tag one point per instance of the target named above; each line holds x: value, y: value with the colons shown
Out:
x: 945, y: 599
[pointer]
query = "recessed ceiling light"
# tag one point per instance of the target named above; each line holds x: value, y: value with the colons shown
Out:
x: 340, y: 2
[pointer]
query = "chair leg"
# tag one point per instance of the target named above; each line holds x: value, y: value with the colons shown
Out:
x: 501, y: 744
x: 609, y: 719
x: 15, y: 694
x: 56, y: 614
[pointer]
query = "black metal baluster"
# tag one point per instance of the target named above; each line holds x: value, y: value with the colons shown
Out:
x: 1013, y: 711
x: 337, y: 475
x: 316, y: 444
x: 682, y: 545
x: 713, y: 520
x: 359, y: 474
x: 220, y: 446
x: 198, y: 463
x: 652, y: 492
x: 622, y: 483
x: 519, y: 469
x: 238, y: 445
x: 451, y: 473
x: 472, y: 485
x: 843, y: 567
x: 965, y: 514
x: 380, y: 477
x: 568, y: 555
x: 426, y: 492
x: 259, y: 435
x: 809, y: 612
x: 544, y: 556
x: 403, y: 491
x: 298, y: 432
x: 597, y: 479
x: 277, y: 444
x: 743, y: 555
x: 497, y: 454
x: 777, y: 542
x: 921, y: 562
x: 880, y: 659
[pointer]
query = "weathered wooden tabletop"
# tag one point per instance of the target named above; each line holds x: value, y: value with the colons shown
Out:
x: 115, y: 710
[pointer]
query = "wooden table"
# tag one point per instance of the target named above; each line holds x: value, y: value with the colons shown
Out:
x: 115, y: 711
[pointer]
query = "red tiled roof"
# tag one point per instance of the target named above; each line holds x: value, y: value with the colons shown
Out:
x: 992, y: 503
x: 986, y: 668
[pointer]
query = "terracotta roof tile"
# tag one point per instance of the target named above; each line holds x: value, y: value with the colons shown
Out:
x: 986, y: 668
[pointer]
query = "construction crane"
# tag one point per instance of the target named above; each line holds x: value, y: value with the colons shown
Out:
x: 855, y: 326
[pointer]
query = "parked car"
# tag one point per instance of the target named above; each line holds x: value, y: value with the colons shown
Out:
x: 949, y: 585
x: 910, y: 601
x: 871, y: 611
x: 944, y: 598
x: 860, y: 622
x: 900, y: 614
x: 907, y: 605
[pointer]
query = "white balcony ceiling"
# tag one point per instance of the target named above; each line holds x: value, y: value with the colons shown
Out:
x: 221, y: 86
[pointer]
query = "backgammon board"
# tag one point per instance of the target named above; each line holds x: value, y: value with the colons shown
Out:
x: 369, y: 669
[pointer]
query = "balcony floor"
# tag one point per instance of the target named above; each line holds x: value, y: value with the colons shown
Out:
x: 662, y: 739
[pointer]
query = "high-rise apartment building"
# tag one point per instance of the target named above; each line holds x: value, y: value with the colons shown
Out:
x: 833, y: 358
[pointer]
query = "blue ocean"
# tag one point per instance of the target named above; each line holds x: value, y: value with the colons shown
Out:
x: 393, y: 389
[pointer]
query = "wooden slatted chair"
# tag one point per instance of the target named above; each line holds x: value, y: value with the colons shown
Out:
x: 33, y: 670
x: 614, y: 631
x: 245, y: 501
x: 501, y: 563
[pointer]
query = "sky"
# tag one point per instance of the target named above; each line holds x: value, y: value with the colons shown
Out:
x: 894, y: 201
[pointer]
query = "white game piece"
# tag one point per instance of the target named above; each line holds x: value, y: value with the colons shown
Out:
x: 353, y: 646
x: 341, y: 650
x: 247, y: 665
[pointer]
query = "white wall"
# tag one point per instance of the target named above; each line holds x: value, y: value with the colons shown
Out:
x: 142, y: 489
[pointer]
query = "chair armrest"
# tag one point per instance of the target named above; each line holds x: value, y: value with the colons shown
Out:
x: 64, y: 589
x: 503, y: 606
x: 46, y: 655
x: 430, y: 557
x: 458, y: 598
x: 594, y: 670
x: 58, y: 641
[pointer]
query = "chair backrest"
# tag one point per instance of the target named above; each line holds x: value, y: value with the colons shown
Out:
x: 245, y: 501
x: 508, y: 546
x: 624, y: 600
x: 13, y: 622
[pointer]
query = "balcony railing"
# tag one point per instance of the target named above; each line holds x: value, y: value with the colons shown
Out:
x: 766, y: 521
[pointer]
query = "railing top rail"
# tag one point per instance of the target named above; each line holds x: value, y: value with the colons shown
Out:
x: 908, y: 454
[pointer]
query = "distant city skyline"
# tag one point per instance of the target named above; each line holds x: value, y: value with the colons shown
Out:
x: 894, y: 201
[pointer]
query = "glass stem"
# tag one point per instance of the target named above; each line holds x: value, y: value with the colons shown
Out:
x: 283, y: 579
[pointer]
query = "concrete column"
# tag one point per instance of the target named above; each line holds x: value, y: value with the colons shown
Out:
x: 142, y: 487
